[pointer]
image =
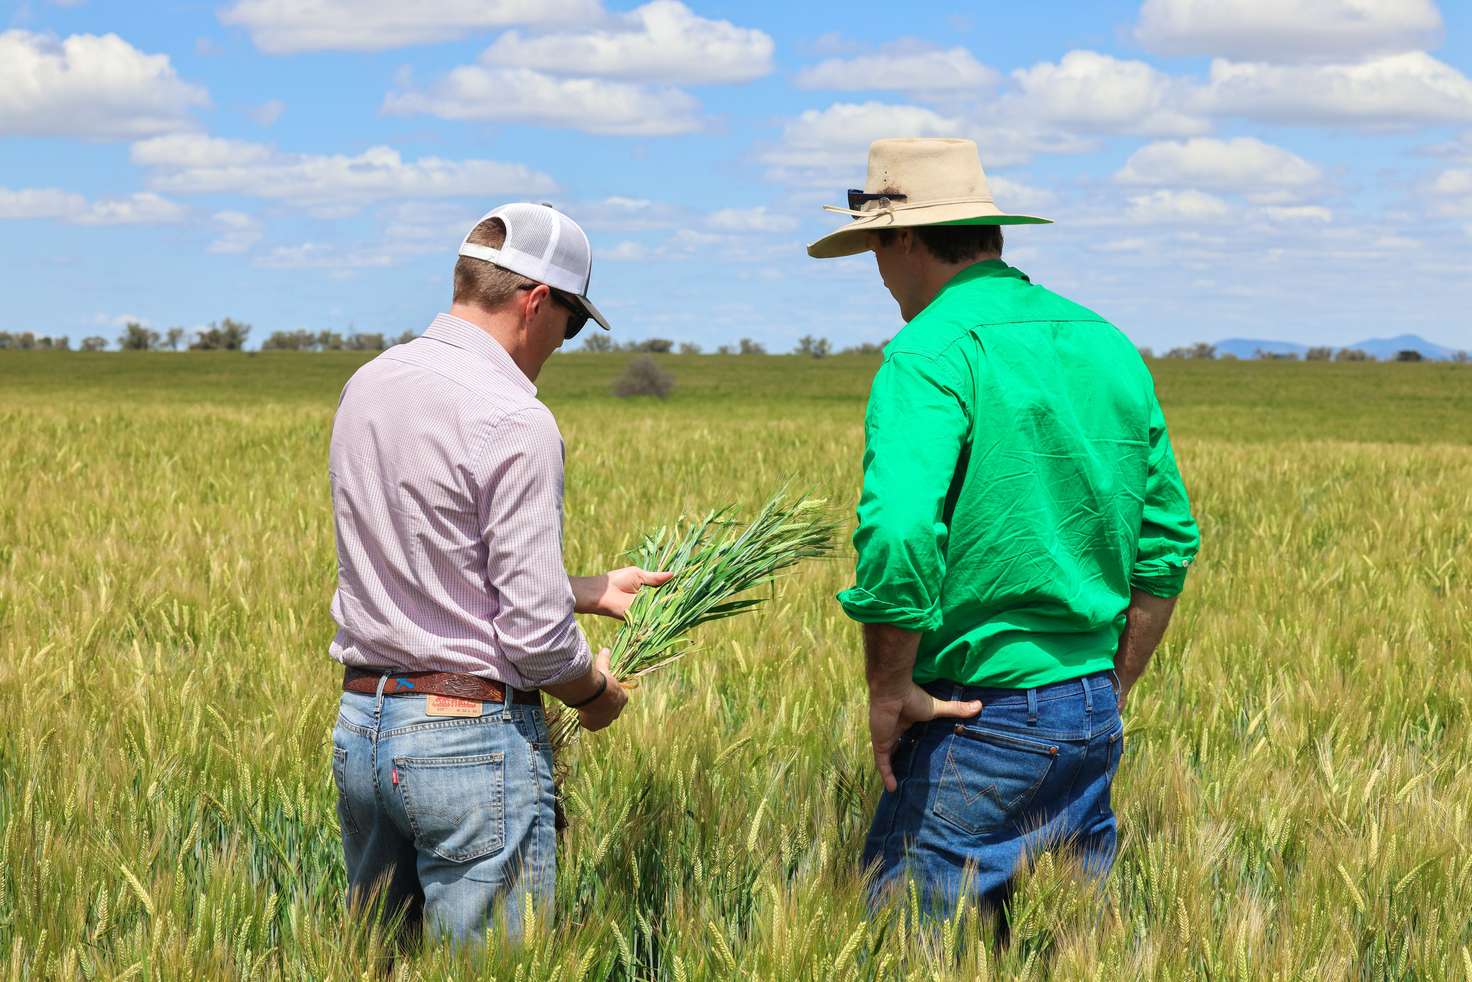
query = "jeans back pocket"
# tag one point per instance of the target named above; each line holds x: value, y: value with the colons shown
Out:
x: 345, y: 820
x: 455, y: 805
x: 988, y: 779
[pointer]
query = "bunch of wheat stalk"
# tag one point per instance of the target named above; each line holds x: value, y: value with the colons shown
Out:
x: 714, y: 560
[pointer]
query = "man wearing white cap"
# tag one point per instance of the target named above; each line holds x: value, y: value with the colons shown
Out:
x: 453, y: 607
x: 1023, y: 533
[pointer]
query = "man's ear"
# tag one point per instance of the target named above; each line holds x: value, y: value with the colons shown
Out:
x: 536, y: 298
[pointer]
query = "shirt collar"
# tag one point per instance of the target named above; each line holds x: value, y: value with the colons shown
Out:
x: 985, y: 269
x: 460, y: 333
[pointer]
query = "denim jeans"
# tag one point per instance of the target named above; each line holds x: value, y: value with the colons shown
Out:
x: 979, y: 797
x: 451, y: 817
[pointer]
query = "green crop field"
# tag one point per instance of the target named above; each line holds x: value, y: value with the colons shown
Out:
x: 1295, y: 799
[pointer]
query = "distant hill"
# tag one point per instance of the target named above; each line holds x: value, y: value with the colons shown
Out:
x: 1381, y: 348
x: 1387, y: 347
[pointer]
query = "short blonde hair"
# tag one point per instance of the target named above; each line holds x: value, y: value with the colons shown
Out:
x: 482, y: 284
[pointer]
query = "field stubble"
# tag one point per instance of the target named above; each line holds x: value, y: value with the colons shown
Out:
x: 1294, y: 799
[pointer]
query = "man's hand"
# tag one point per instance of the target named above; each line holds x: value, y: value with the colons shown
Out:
x: 607, y: 707
x: 611, y: 594
x: 891, y: 713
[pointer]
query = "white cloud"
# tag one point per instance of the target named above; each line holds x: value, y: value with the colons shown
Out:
x: 1019, y: 198
x: 1452, y: 193
x: 1189, y: 207
x: 1093, y: 92
x: 143, y: 208
x: 1240, y: 164
x: 757, y: 219
x: 902, y: 68
x: 1390, y: 91
x: 326, y: 183
x: 1287, y: 30
x: 822, y: 148
x: 318, y: 255
x: 288, y: 26
x: 195, y: 150
x: 474, y: 92
x: 89, y: 86
x: 1297, y: 213
x: 238, y: 232
x: 267, y: 112
x: 663, y: 41
x: 625, y: 213
x: 821, y: 144
x: 625, y: 252
x: 39, y: 203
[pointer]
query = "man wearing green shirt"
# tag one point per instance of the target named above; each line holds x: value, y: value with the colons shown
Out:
x: 1023, y: 533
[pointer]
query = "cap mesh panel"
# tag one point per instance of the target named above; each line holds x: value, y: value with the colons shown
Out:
x: 571, y: 253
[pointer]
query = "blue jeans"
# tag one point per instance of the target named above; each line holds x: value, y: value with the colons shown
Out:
x: 979, y: 797
x: 450, y: 818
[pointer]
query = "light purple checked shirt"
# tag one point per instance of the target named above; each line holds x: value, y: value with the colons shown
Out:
x: 447, y: 495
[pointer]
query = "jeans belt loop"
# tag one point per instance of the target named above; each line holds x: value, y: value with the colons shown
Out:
x: 378, y: 706
x: 1088, y: 694
x: 1032, y: 707
x: 508, y: 691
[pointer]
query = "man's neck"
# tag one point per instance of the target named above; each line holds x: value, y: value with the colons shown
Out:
x: 935, y: 275
x: 505, y: 329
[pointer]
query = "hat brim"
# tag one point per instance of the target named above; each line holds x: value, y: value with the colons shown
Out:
x: 852, y: 238
x: 591, y: 311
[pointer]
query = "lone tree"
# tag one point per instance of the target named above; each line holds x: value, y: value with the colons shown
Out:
x: 228, y: 335
x: 644, y: 378
x: 136, y: 337
x: 1319, y: 354
x: 814, y: 347
x: 597, y: 342
x: 1409, y: 354
x: 290, y: 341
x: 689, y: 348
x: 1351, y: 354
x: 94, y: 343
x: 173, y: 337
x: 749, y: 347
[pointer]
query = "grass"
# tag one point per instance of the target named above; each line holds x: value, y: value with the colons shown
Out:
x: 1294, y: 798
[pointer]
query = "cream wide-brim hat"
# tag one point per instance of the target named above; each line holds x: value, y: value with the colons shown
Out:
x: 933, y: 182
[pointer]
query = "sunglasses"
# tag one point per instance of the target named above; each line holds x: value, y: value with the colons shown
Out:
x: 579, y: 317
x: 857, y: 199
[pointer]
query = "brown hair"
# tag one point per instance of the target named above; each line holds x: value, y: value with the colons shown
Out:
x: 953, y: 243
x: 482, y: 284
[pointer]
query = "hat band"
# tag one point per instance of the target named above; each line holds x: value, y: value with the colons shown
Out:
x: 890, y: 207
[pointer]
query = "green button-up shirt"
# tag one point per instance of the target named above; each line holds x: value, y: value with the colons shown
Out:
x: 1018, y: 482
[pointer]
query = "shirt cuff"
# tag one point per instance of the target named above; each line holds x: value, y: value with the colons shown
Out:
x: 862, y: 606
x: 576, y: 667
x: 1159, y: 579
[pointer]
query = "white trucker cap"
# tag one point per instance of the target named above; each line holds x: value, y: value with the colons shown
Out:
x: 541, y: 244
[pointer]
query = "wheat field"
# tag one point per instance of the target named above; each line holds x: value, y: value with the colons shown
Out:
x: 1294, y: 797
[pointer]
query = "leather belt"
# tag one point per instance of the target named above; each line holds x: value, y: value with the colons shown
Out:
x: 435, y: 684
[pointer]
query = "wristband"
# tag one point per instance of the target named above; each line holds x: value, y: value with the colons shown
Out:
x: 602, y: 688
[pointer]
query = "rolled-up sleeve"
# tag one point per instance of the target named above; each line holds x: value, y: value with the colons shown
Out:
x: 1169, y: 538
x: 914, y: 431
x: 521, y: 524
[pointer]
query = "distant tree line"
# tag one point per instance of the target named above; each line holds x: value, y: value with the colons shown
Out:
x: 225, y: 335
x: 1203, y: 350
x: 807, y: 346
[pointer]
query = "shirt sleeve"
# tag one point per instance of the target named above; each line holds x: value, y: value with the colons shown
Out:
x: 914, y: 430
x: 521, y: 524
x: 1169, y: 538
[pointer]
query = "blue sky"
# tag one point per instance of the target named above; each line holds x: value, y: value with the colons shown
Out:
x: 1283, y: 169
